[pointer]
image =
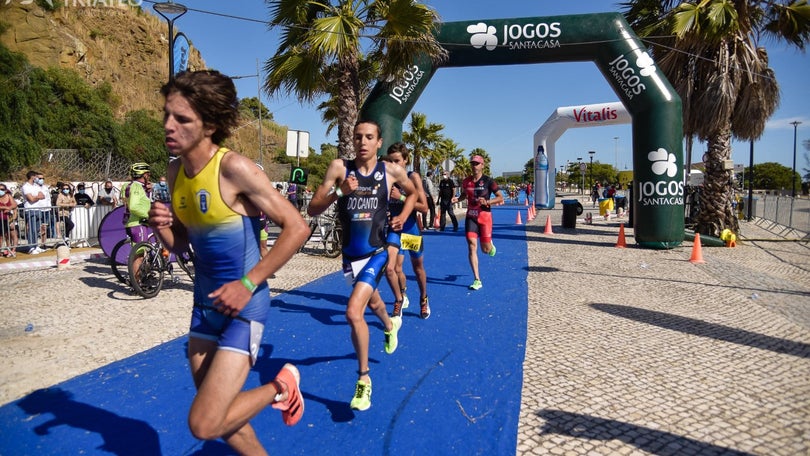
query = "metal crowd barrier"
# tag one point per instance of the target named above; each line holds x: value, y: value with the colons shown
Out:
x: 85, y: 225
x: 784, y: 212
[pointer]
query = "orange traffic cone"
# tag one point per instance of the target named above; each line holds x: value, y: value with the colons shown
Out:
x: 517, y: 219
x: 697, y: 252
x: 548, y: 225
x: 621, y: 243
x: 532, y: 212
x: 527, y: 200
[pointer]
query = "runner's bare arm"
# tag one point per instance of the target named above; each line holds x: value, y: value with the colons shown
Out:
x: 398, y: 175
x: 324, y: 195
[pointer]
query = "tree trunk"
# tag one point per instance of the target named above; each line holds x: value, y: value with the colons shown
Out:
x: 716, y: 212
x: 348, y: 89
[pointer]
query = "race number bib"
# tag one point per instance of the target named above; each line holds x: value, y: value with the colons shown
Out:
x: 411, y: 242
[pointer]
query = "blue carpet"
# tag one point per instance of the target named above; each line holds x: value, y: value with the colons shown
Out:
x: 452, y: 387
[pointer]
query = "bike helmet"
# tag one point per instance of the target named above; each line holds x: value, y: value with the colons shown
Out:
x: 138, y: 169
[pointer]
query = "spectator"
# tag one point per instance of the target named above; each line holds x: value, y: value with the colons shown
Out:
x: 292, y: 194
x: 8, y: 223
x: 447, y: 191
x: 65, y: 203
x: 595, y: 193
x: 81, y: 196
x: 106, y: 195
x: 160, y: 192
x: 429, y: 216
x: 37, y: 211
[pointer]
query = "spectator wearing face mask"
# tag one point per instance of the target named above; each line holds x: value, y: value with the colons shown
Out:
x: 106, y: 195
x: 37, y: 211
x: 65, y: 202
x: 81, y: 196
x: 8, y: 223
x: 160, y: 191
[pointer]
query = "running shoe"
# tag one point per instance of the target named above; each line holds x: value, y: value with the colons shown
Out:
x: 35, y: 251
x: 391, y: 340
x: 292, y: 409
x: 492, y: 251
x: 476, y: 285
x: 424, y: 312
x: 397, y: 309
x: 405, y: 301
x: 362, y: 396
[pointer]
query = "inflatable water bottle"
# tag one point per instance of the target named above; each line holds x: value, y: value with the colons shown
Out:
x: 542, y: 177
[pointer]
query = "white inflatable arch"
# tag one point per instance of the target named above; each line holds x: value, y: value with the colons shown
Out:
x: 564, y: 118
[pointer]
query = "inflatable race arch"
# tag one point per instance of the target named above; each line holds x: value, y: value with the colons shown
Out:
x: 561, y: 120
x: 608, y: 41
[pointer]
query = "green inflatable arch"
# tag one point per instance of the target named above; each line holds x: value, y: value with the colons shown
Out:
x: 608, y: 41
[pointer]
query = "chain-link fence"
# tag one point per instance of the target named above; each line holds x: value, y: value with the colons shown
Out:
x: 84, y: 164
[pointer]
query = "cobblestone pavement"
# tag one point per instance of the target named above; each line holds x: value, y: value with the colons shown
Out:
x: 636, y: 351
x: 629, y: 351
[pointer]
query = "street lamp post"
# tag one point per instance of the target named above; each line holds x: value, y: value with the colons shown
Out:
x: 795, y: 124
x: 616, y: 140
x: 170, y: 11
x: 581, y: 171
x: 590, y: 177
x: 259, y: 98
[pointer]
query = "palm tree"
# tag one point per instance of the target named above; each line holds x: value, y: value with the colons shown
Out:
x: 322, y: 48
x: 447, y: 149
x: 710, y: 51
x: 422, y: 138
x: 330, y: 108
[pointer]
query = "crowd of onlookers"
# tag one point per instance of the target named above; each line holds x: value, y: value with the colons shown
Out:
x: 34, y: 213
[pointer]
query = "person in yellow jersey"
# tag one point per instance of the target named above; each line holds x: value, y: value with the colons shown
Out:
x: 217, y: 196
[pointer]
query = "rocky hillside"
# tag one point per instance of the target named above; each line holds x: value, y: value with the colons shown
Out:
x: 122, y: 45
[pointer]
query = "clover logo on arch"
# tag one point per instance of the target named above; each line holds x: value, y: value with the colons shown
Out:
x: 663, y: 162
x: 482, y: 35
x: 646, y: 64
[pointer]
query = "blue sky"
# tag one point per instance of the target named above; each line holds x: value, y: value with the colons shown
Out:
x: 497, y: 108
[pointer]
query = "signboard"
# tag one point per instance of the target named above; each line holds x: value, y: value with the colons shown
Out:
x: 298, y: 175
x: 297, y: 143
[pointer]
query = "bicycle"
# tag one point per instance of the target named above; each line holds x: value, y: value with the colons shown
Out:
x: 147, y: 278
x: 331, y: 233
x: 122, y: 252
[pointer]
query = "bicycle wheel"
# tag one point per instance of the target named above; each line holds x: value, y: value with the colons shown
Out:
x: 332, y: 242
x: 119, y: 258
x: 313, y: 225
x: 148, y: 279
x: 186, y: 262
